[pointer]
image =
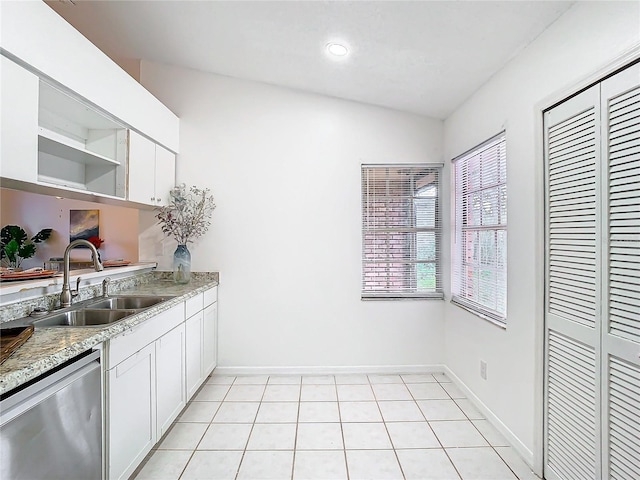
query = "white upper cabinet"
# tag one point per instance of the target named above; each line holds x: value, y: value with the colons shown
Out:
x: 19, y: 120
x: 165, y: 174
x: 47, y: 45
x: 142, y: 167
x: 151, y: 171
x: 79, y: 148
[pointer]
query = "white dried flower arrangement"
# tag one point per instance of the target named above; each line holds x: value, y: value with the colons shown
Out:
x: 188, y: 213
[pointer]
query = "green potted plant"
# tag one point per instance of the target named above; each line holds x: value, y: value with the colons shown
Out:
x: 15, y: 244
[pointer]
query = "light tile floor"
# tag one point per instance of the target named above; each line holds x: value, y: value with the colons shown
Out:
x: 332, y: 427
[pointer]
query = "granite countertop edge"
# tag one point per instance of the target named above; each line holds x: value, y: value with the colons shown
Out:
x: 50, y: 347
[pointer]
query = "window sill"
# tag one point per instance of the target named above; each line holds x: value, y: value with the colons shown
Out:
x: 432, y: 296
x: 479, y: 314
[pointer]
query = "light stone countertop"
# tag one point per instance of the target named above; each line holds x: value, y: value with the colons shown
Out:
x: 50, y: 347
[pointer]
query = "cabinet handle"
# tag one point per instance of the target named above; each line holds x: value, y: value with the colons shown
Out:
x: 153, y: 199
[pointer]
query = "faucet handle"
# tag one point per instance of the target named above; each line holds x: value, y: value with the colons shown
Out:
x: 105, y: 287
x: 77, y: 290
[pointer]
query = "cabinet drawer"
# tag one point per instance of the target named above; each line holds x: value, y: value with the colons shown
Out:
x: 210, y: 296
x: 131, y: 341
x: 193, y: 305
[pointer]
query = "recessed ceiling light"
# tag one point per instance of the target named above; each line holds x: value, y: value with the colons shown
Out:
x: 337, y: 49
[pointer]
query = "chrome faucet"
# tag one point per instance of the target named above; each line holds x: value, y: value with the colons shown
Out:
x: 67, y: 295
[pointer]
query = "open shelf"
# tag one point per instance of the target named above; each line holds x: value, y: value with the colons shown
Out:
x: 79, y: 148
x: 60, y: 146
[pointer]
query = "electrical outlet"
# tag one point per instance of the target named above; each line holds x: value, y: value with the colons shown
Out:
x: 483, y: 369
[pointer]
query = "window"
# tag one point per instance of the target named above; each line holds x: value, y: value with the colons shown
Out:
x: 480, y: 250
x: 401, y: 231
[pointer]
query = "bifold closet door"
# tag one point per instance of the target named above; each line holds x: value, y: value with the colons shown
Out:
x: 573, y: 265
x: 621, y: 295
x: 592, y: 304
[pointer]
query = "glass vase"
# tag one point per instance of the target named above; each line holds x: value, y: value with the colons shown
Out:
x: 181, y: 265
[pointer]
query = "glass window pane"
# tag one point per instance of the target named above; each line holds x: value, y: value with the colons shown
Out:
x: 501, y: 249
x: 473, y: 174
x: 397, y: 201
x: 479, y: 259
x: 425, y: 209
x: 503, y: 205
x: 487, y: 294
x: 501, y: 297
x: 426, y: 275
x: 426, y: 246
x: 487, y: 248
x: 490, y: 206
x: 474, y: 216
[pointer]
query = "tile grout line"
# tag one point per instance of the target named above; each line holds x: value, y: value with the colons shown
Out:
x: 244, y: 451
x: 295, y: 437
x: 206, y: 429
x: 384, y: 422
x: 433, y: 431
x: 344, y: 444
x: 478, y: 430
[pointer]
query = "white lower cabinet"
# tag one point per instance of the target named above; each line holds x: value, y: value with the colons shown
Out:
x: 145, y: 389
x: 152, y: 371
x: 194, y: 353
x: 132, y: 423
x: 202, y: 338
x: 209, y: 338
x: 170, y: 377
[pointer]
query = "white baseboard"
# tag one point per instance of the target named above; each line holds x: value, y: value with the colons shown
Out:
x: 514, y: 441
x: 324, y: 370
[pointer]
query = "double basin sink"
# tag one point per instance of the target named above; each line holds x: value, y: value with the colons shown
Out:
x: 99, y: 312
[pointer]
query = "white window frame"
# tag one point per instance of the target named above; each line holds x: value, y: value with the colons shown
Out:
x: 479, y: 276
x: 374, y: 225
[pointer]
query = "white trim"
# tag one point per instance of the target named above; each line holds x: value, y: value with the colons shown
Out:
x: 323, y: 370
x: 407, y: 165
x: 539, y: 292
x: 500, y: 322
x: 618, y: 63
x: 492, y: 418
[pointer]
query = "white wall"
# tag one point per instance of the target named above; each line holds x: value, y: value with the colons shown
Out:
x: 285, y: 170
x: 584, y: 40
x: 33, y: 212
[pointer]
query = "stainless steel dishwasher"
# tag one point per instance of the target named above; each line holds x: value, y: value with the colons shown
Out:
x: 52, y: 428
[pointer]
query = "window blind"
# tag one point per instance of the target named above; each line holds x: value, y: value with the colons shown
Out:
x: 479, y: 276
x: 401, y: 231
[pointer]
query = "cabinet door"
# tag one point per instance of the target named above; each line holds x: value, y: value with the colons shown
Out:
x: 131, y: 406
x: 19, y: 120
x: 209, y: 338
x: 142, y: 168
x: 194, y: 353
x: 170, y: 377
x: 165, y: 174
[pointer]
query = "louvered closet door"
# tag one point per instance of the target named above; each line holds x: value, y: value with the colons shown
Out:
x: 573, y: 266
x: 621, y: 293
x: 592, y: 304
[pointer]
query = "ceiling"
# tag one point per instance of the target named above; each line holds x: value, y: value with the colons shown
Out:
x: 424, y: 57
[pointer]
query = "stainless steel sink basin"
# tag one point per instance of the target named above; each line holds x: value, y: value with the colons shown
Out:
x: 128, y: 302
x: 84, y: 318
